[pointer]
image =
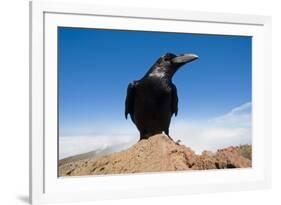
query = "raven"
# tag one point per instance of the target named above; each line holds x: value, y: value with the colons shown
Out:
x: 152, y: 100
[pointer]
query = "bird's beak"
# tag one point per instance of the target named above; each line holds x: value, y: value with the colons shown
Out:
x: 185, y: 58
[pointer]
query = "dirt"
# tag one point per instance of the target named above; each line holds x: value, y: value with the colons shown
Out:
x: 156, y: 154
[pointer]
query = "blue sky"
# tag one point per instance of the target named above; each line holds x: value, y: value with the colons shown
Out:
x: 95, y: 67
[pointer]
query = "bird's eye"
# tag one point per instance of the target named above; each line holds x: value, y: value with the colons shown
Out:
x: 166, y: 58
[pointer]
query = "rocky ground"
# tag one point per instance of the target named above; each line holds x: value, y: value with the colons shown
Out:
x: 158, y: 153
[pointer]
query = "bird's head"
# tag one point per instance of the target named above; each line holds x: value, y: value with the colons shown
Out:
x: 169, y: 63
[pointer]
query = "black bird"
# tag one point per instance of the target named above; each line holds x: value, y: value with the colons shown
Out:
x: 152, y: 100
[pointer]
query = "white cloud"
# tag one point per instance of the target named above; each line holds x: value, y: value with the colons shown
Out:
x: 73, y: 145
x: 233, y: 128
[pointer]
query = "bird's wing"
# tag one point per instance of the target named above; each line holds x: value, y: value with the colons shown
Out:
x: 174, y: 100
x: 130, y: 100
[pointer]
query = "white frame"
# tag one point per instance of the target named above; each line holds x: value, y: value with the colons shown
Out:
x: 46, y: 187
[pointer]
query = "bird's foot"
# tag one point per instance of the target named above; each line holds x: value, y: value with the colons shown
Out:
x: 178, y: 142
x: 170, y: 138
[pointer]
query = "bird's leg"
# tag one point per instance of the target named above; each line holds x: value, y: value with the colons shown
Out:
x: 167, y: 133
x: 143, y: 135
x: 177, y: 142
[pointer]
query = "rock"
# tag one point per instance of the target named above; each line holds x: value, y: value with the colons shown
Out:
x: 208, y: 153
x: 156, y: 154
x: 231, y: 158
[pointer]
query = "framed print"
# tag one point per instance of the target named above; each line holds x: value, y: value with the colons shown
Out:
x: 129, y: 102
